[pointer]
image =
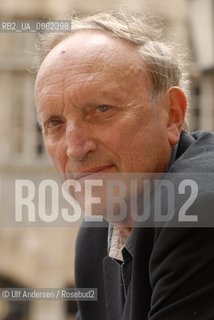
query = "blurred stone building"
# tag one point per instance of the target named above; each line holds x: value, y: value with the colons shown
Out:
x: 43, y: 257
x: 29, y: 257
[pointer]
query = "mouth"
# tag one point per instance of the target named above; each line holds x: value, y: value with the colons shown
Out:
x: 92, y: 172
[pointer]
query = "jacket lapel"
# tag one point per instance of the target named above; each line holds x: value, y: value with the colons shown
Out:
x: 137, y: 304
x: 113, y: 288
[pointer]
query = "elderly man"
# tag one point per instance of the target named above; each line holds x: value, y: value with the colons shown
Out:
x: 111, y: 98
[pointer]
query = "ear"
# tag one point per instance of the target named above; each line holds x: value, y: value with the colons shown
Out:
x: 177, y: 103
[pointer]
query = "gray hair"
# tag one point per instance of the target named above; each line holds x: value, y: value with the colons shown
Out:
x: 165, y: 64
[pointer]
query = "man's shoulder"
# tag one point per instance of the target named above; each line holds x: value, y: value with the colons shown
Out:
x: 195, y: 153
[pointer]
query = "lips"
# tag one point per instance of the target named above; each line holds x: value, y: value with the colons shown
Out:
x: 91, y: 171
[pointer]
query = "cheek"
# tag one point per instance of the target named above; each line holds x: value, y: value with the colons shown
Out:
x: 144, y: 147
x: 123, y: 141
x: 57, y: 153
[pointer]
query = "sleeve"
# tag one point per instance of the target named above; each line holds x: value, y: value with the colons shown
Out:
x: 182, y: 269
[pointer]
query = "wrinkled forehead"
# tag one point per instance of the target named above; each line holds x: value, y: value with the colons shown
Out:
x: 93, y: 50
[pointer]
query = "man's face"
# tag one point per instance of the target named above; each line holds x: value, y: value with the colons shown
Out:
x: 93, y: 101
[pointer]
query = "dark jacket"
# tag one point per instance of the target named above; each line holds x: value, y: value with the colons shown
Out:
x: 173, y: 268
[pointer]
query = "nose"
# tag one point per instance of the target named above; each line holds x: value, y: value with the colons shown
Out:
x: 79, y: 142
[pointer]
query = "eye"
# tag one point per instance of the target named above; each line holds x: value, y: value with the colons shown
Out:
x: 102, y: 108
x: 53, y: 123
